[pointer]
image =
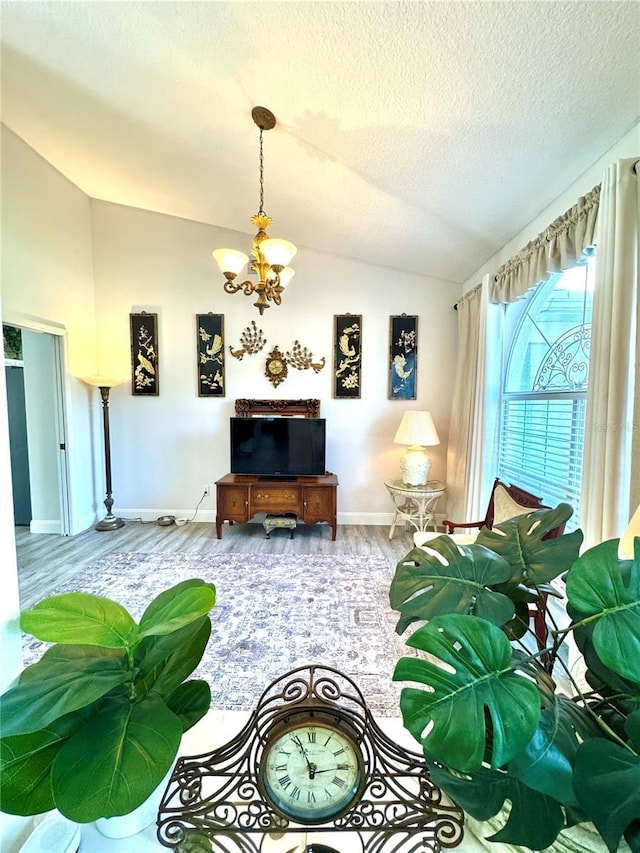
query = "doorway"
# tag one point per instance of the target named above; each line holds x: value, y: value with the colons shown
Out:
x: 35, y: 403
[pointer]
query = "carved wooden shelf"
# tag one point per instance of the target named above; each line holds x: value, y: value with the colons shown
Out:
x: 249, y: 408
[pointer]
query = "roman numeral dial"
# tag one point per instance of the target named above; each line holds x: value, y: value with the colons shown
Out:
x: 312, y: 769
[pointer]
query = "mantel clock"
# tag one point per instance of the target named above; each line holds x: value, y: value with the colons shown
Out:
x: 310, y: 759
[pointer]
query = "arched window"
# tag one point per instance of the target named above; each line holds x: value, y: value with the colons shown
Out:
x: 542, y: 419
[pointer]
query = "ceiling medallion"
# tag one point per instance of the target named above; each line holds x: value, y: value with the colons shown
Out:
x: 271, y: 255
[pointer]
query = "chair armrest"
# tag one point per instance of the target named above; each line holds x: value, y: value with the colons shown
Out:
x: 450, y: 526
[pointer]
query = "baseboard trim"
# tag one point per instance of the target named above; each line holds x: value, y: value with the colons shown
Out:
x: 43, y: 525
x: 126, y: 513
x: 209, y: 516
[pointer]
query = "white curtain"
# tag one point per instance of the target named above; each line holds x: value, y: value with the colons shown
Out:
x: 471, y: 431
x: 610, y: 477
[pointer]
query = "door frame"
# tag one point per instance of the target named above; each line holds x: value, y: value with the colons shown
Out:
x: 58, y: 332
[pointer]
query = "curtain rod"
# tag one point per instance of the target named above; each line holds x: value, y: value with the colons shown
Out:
x: 468, y: 293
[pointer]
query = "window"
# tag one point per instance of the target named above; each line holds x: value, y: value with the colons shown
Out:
x: 542, y: 418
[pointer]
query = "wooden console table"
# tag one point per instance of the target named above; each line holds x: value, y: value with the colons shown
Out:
x: 241, y: 496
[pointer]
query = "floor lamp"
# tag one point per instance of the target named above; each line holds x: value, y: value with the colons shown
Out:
x: 109, y: 522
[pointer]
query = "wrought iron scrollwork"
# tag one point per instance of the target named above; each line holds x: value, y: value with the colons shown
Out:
x: 565, y: 367
x: 213, y: 802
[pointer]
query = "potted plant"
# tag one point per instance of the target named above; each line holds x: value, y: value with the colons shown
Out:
x: 495, y: 726
x: 94, y: 726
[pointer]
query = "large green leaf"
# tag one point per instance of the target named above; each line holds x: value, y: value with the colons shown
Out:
x: 25, y: 764
x: 117, y: 760
x: 534, y: 560
x: 546, y: 763
x: 606, y: 590
x: 190, y: 702
x: 534, y: 820
x: 78, y: 617
x: 607, y: 783
x: 178, y: 606
x: 633, y: 730
x: 164, y: 662
x: 54, y: 688
x: 472, y: 679
x: 71, y: 655
x: 425, y: 586
x: 619, y: 691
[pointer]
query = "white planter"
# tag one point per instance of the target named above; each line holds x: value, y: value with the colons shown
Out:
x: 125, y: 825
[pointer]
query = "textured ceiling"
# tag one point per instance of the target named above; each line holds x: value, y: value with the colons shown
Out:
x: 415, y: 135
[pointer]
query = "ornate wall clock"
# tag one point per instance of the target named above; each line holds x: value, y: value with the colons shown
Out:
x: 276, y: 367
x: 311, y: 758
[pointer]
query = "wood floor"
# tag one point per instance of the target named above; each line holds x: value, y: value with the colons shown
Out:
x: 44, y: 559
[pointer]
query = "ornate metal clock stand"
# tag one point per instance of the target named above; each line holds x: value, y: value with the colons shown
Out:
x: 232, y: 798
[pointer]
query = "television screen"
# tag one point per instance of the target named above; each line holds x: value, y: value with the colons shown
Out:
x: 278, y: 447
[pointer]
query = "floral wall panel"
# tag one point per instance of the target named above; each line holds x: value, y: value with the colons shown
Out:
x: 403, y: 357
x: 347, y: 356
x: 210, y: 342
x: 144, y: 354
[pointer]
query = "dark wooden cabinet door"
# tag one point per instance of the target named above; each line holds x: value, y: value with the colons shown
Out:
x: 318, y: 504
x: 233, y: 503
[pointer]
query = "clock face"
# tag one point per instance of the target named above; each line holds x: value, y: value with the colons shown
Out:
x: 312, y: 772
x: 276, y: 367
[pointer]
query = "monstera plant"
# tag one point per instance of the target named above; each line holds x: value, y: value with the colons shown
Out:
x: 499, y: 734
x: 93, y: 727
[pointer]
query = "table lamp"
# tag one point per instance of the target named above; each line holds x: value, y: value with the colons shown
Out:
x: 626, y: 543
x: 105, y: 384
x: 418, y: 431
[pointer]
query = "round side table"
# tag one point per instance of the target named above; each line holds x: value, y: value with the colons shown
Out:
x: 414, y: 505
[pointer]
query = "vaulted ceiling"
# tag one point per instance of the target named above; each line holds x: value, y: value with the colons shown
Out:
x: 416, y: 135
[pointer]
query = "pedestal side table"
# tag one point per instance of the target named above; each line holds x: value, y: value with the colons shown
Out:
x: 414, y: 505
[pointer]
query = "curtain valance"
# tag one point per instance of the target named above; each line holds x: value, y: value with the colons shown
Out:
x: 558, y: 247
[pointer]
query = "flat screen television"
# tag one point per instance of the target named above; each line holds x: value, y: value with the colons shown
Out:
x: 278, y: 447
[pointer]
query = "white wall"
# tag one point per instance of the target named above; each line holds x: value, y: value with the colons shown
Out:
x: 628, y: 146
x: 165, y: 448
x: 47, y: 285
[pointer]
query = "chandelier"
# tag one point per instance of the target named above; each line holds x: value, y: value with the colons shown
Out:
x: 271, y: 255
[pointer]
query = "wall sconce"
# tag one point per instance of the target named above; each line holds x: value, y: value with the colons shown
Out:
x: 418, y: 431
x: 105, y: 384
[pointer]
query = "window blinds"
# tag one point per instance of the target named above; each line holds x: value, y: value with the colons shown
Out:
x: 541, y: 447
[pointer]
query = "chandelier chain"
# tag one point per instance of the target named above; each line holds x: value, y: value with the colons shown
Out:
x: 261, y: 208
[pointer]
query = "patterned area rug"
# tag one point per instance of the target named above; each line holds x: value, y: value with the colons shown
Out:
x: 272, y: 614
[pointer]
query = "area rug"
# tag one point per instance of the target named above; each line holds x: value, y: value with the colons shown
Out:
x: 272, y: 614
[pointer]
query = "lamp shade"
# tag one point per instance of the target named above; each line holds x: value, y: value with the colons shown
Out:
x: 230, y: 260
x: 417, y: 428
x: 103, y: 381
x: 285, y: 276
x: 626, y: 546
x: 277, y: 252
